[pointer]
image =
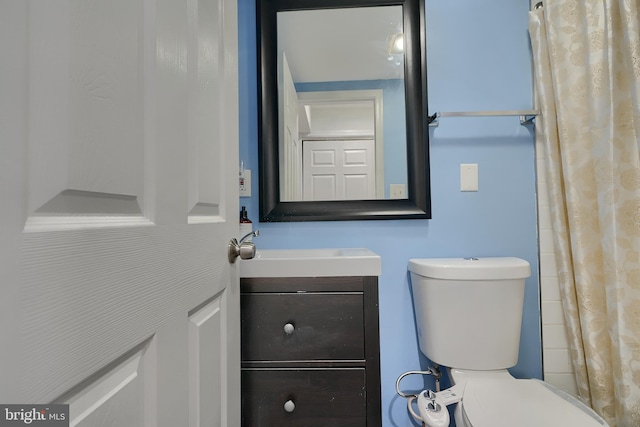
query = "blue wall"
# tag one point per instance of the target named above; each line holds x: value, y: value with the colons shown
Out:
x: 478, y: 59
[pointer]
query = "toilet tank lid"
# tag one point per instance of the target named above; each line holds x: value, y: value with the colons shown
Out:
x: 489, y: 268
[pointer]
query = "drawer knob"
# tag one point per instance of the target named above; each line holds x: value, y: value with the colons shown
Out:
x: 289, y: 406
x: 289, y: 328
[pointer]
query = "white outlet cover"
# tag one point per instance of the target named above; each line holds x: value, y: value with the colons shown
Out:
x: 397, y: 191
x: 245, y: 191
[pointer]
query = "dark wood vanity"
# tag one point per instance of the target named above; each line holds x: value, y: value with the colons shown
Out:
x: 310, y: 352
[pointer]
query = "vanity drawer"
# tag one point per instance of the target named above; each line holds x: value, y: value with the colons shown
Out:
x: 318, y: 398
x: 302, y: 326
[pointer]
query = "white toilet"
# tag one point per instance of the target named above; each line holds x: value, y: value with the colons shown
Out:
x: 468, y: 315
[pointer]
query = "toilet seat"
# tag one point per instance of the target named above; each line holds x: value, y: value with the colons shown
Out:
x: 504, y: 401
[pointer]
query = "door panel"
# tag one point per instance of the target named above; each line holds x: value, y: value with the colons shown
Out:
x: 85, y: 117
x: 205, y: 105
x: 206, y: 363
x: 339, y: 169
x: 108, y: 396
x: 117, y: 208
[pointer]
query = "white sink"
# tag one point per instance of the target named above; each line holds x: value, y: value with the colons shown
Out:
x: 311, y: 263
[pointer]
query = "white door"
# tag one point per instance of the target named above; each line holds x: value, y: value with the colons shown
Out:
x: 339, y: 170
x: 118, y: 195
x: 290, y: 170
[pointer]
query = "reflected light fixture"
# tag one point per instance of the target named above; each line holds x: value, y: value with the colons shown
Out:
x: 396, y: 47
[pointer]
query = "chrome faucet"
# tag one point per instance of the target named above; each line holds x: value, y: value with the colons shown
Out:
x: 254, y: 233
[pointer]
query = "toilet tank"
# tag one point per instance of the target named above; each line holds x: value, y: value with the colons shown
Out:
x: 469, y: 311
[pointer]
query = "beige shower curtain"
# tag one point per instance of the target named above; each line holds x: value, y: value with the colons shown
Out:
x: 587, y: 72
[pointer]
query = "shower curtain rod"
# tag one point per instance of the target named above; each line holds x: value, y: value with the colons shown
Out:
x: 526, y: 116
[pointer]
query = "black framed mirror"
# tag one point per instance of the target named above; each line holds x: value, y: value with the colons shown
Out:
x: 387, y: 190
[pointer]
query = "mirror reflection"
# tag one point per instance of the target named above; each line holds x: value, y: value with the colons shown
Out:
x: 341, y: 104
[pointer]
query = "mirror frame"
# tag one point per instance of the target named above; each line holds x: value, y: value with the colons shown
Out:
x: 418, y: 203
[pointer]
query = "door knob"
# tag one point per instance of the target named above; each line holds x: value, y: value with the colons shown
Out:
x: 245, y: 250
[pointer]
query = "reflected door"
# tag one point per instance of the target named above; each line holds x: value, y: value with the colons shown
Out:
x: 290, y: 146
x: 117, y: 295
x: 339, y: 170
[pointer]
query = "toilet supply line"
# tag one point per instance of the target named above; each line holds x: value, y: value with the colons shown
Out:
x: 433, y: 370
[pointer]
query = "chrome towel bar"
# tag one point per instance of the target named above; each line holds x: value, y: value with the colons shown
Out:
x: 526, y: 116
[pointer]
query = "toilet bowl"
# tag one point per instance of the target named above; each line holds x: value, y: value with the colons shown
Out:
x: 468, y: 317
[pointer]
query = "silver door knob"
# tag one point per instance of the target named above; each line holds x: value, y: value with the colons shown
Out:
x: 245, y: 250
x: 289, y: 328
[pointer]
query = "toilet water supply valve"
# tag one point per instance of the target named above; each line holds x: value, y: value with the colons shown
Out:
x: 432, y: 406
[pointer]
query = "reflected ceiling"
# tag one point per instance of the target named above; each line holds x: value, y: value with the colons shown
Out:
x: 360, y: 40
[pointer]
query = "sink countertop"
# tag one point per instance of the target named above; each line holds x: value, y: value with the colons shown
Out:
x: 312, y: 263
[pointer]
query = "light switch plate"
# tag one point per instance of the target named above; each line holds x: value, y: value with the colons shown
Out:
x: 469, y: 177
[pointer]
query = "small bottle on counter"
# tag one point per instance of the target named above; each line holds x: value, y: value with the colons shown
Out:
x: 246, y: 226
